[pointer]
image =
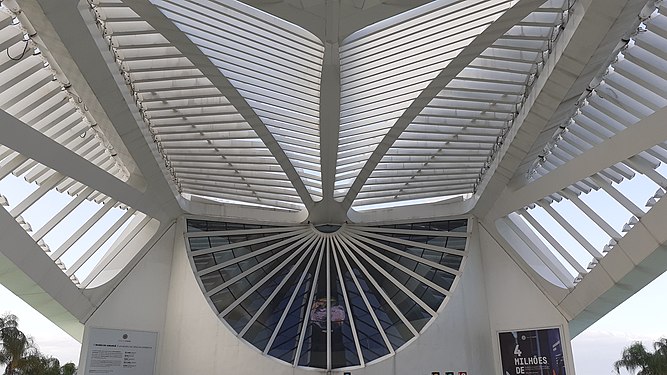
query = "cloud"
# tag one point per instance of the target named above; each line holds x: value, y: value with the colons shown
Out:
x: 50, y: 339
x: 65, y: 349
x: 595, y: 351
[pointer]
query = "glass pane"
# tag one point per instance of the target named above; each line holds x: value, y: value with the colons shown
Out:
x: 285, y: 345
x: 343, y: 348
x: 397, y: 332
x: 260, y: 331
x: 370, y: 339
x: 414, y: 313
x: 327, y: 305
x: 420, y: 290
x: 198, y: 243
x: 314, y: 349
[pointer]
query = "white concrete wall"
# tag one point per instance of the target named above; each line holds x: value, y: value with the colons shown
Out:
x: 192, y: 340
x: 195, y: 341
x: 457, y: 338
x: 514, y: 301
x: 140, y: 300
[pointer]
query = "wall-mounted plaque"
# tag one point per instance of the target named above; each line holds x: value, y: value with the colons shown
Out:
x: 532, y: 352
x: 120, y: 352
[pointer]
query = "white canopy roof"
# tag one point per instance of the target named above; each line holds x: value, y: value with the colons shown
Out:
x: 369, y: 112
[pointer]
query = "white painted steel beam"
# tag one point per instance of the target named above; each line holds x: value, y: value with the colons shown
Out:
x: 638, y: 258
x: 598, y: 27
x: 27, y: 271
x: 68, y: 32
x: 166, y: 28
x: 36, y: 146
x: 641, y: 136
x: 571, y: 230
x: 469, y: 53
x: 313, y: 17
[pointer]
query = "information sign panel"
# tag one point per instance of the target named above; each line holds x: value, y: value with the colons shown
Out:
x: 532, y: 352
x: 120, y: 352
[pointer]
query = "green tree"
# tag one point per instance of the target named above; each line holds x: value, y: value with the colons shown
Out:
x: 68, y: 369
x: 38, y: 364
x: 636, y: 357
x: 15, y: 347
x: 20, y: 355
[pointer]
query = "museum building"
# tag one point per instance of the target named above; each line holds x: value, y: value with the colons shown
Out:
x: 331, y: 186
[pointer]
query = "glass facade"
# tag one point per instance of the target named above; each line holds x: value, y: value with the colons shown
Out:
x: 327, y: 297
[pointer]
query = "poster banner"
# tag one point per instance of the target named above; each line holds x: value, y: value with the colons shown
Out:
x: 533, y: 352
x: 120, y: 352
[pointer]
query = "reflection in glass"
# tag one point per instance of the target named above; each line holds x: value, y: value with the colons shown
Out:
x: 370, y: 339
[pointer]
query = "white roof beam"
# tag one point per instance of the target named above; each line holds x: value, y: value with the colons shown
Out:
x: 98, y: 244
x: 165, y: 27
x: 279, y: 200
x: 596, y: 28
x: 597, y: 219
x: 356, y: 17
x: 570, y: 229
x: 330, y: 101
x: 44, y: 188
x: 553, y: 242
x: 469, y: 53
x: 641, y: 136
x: 275, y: 191
x: 642, y: 256
x: 81, y: 231
x: 409, y: 197
x: 56, y: 219
x: 34, y: 145
x: 255, y: 181
x: 141, y: 223
x: 552, y: 264
x: 418, y: 178
x: 400, y: 190
x: 28, y: 272
x: 64, y: 29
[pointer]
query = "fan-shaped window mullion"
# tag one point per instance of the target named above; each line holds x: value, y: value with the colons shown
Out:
x: 306, y: 319
x: 367, y: 304
x: 380, y: 290
x: 292, y: 272
x: 301, y: 243
x: 303, y: 288
x: 327, y: 296
x: 347, y: 302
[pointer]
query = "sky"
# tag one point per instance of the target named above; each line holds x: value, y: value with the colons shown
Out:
x: 640, y: 318
x: 50, y: 339
x: 594, y: 350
